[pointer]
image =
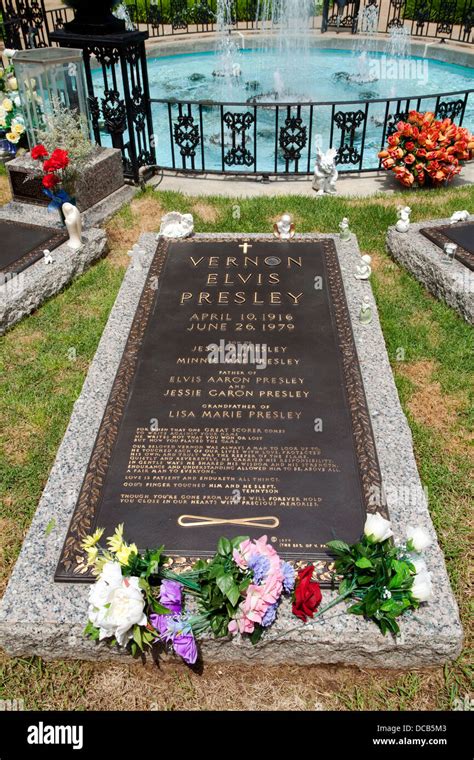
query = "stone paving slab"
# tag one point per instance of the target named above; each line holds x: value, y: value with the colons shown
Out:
x: 38, y: 616
x: 452, y: 283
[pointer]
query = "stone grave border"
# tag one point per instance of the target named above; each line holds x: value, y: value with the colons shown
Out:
x: 39, y: 616
x: 451, y: 283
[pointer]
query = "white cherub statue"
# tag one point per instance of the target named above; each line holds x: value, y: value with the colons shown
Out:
x: 345, y: 233
x: 72, y: 217
x: 284, y: 228
x: 403, y: 213
x: 325, y: 172
x: 365, y: 314
x: 364, y: 270
x: 459, y: 216
x: 48, y: 259
x: 176, y: 225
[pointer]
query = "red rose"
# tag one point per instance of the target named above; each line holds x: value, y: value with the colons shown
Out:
x: 59, y: 159
x: 39, y: 151
x: 50, y: 181
x: 307, y: 595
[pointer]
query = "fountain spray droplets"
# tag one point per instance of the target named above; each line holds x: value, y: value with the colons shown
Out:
x: 228, y: 43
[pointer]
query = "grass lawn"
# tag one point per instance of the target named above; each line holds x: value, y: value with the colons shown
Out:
x: 39, y: 385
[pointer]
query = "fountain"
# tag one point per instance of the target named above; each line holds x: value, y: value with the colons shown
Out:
x: 227, y: 43
x: 292, y: 21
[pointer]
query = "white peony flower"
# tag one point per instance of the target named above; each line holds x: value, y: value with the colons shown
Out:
x: 419, y: 537
x: 9, y: 52
x: 109, y: 579
x: 126, y: 609
x: 116, y: 604
x: 377, y: 529
x: 17, y: 101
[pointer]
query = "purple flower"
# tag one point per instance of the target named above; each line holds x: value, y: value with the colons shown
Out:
x: 171, y: 595
x: 260, y: 565
x: 288, y: 577
x: 270, y: 615
x: 160, y: 623
x: 185, y: 646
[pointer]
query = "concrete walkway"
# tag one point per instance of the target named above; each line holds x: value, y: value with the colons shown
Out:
x: 353, y: 185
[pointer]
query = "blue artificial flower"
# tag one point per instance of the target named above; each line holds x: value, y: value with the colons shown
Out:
x: 270, y: 615
x: 288, y: 577
x: 260, y: 566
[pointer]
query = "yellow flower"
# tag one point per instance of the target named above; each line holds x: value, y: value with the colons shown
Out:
x: 12, y: 137
x: 92, y: 555
x: 18, y: 129
x: 123, y: 555
x: 94, y: 538
x: 1, y: 73
x: 12, y: 83
x: 115, y: 542
x: 7, y: 104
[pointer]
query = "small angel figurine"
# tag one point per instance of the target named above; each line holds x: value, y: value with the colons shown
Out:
x: 345, y: 233
x: 284, y: 228
x: 48, y: 259
x: 364, y: 270
x: 459, y: 216
x: 72, y: 218
x: 365, y: 315
x: 325, y: 172
x: 403, y: 213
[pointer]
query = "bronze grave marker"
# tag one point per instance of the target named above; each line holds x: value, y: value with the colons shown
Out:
x: 238, y: 408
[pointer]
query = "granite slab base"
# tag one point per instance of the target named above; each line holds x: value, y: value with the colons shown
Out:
x: 94, y: 216
x: 39, y: 616
x: 451, y: 283
x: 22, y: 293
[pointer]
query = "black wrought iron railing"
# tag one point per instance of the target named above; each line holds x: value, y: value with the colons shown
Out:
x: 280, y: 138
x: 26, y: 23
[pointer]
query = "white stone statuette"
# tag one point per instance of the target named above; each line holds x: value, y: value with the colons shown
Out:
x: 137, y: 255
x: 48, y: 259
x: 450, y: 251
x: 176, y: 225
x: 345, y: 233
x: 459, y: 216
x: 365, y: 314
x: 403, y: 224
x: 72, y: 216
x: 284, y: 229
x: 364, y: 270
x: 325, y: 171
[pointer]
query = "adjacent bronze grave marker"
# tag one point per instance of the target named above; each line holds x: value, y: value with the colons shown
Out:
x: 461, y: 233
x: 271, y: 436
x: 21, y: 245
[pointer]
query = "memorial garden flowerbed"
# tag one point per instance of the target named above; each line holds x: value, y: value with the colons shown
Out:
x: 42, y: 383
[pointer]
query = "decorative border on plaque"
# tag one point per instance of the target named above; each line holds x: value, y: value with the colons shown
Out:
x: 72, y: 566
x: 438, y: 237
x: 57, y: 237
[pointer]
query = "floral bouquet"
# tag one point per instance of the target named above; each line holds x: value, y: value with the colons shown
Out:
x: 54, y: 174
x: 12, y: 123
x: 424, y: 150
x: 138, y: 602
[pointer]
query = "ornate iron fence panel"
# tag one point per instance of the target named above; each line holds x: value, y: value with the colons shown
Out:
x: 281, y: 138
x: 23, y: 24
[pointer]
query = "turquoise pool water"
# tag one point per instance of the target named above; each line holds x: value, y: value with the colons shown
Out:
x: 322, y: 76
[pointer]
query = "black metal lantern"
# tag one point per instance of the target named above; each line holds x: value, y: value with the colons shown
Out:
x: 94, y: 17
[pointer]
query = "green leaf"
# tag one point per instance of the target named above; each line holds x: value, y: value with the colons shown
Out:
x: 238, y: 540
x: 363, y: 562
x: 229, y: 588
x: 137, y: 636
x: 339, y: 547
x: 256, y: 634
x: 356, y: 609
x: 50, y: 526
x: 224, y: 547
